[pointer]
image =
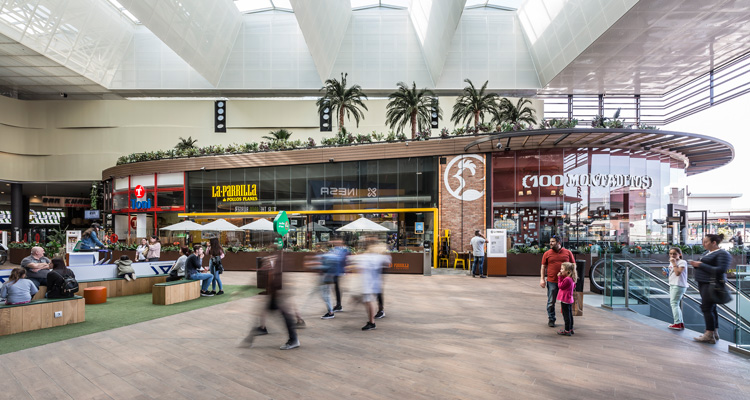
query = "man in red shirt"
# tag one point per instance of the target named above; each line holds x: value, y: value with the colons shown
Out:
x: 551, y: 263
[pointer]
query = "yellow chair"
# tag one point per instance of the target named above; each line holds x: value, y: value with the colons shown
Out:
x: 440, y: 261
x: 457, y: 260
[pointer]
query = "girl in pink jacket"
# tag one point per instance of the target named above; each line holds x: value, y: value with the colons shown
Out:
x: 566, y: 279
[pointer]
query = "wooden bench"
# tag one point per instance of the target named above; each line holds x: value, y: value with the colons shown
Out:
x: 175, y: 292
x: 117, y: 287
x: 40, y: 314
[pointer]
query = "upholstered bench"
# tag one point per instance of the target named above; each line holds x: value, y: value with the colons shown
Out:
x: 175, y: 292
x: 40, y: 314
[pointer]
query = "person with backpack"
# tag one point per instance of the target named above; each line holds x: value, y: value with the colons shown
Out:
x: 61, y: 281
x: 215, y: 266
x: 125, y: 268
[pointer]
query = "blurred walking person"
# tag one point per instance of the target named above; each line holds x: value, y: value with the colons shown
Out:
x: 371, y: 265
x: 340, y: 252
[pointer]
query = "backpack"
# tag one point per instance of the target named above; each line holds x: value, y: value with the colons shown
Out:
x: 69, y: 285
x: 218, y: 267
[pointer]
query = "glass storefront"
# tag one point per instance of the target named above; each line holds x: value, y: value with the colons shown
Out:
x: 584, y: 195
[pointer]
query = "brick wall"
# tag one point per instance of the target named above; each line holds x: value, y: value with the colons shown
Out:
x: 462, y: 217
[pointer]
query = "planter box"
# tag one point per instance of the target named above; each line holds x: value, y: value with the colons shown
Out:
x: 243, y: 261
x: 15, y: 256
x: 524, y: 264
x: 406, y: 263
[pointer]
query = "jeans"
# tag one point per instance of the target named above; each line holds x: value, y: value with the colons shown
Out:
x: 206, y: 278
x: 153, y: 259
x: 478, y: 265
x: 325, y: 290
x: 551, y: 299
x: 710, y: 314
x: 675, y: 296
x: 216, y: 275
x: 567, y: 312
x: 338, y: 290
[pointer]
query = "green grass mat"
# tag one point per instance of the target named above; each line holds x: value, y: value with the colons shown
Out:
x: 117, y: 312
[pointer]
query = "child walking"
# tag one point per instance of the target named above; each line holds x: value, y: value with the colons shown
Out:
x: 567, y: 281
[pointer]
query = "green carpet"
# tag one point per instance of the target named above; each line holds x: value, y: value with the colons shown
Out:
x: 117, y: 312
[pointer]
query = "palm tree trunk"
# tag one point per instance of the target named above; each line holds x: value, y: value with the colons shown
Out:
x: 476, y: 121
x: 413, y: 125
x: 341, y: 118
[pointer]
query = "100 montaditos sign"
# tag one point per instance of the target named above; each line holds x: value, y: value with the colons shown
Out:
x: 603, y: 180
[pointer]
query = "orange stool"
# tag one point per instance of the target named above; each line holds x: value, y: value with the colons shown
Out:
x: 95, y: 294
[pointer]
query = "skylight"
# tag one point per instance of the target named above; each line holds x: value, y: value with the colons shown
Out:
x: 510, y: 5
x: 123, y: 11
x: 253, y: 6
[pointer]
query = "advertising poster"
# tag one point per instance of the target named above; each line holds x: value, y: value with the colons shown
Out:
x: 497, y: 240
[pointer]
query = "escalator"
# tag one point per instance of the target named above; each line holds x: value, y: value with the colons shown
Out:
x: 639, y: 285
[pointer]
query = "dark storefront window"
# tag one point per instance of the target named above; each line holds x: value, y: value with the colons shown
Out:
x: 400, y: 183
x: 584, y: 195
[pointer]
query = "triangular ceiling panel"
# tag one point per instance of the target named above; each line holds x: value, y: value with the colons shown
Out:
x: 324, y: 25
x: 435, y: 23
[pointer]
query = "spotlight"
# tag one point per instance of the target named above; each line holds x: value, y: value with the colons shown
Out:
x: 330, y: 160
x: 63, y: 95
x: 203, y: 168
x: 220, y: 116
x: 659, y: 221
x: 506, y: 148
x: 326, y: 124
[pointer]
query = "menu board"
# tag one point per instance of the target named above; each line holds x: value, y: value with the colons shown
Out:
x: 497, y: 241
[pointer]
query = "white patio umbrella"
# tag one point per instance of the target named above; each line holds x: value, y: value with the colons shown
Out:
x: 183, y: 226
x: 362, y: 225
x: 220, y: 225
x: 259, y: 225
x: 316, y: 227
x: 390, y: 225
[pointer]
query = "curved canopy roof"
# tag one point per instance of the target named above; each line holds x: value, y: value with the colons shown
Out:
x: 700, y: 153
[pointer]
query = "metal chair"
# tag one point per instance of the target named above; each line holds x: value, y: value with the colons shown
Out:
x: 457, y: 260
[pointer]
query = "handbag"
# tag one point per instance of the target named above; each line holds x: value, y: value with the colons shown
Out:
x: 719, y: 293
x: 218, y: 267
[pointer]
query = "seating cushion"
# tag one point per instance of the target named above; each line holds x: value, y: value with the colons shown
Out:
x: 181, y: 281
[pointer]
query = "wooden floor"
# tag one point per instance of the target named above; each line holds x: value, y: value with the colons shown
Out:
x: 446, y: 336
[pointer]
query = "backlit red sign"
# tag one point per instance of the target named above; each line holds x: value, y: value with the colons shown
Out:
x: 140, y: 191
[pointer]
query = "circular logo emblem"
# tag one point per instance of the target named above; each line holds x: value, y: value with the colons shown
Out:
x: 456, y: 171
x: 140, y: 191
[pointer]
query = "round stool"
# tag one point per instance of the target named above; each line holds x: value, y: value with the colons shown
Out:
x: 95, y: 295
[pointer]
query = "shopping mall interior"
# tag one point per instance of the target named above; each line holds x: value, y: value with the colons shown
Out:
x: 411, y: 124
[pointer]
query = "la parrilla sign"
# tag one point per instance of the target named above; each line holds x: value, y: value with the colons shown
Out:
x: 601, y: 180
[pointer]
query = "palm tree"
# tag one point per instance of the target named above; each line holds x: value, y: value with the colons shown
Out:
x: 279, y: 135
x: 410, y: 106
x: 514, y: 114
x: 186, y: 144
x: 342, y: 100
x: 473, y: 103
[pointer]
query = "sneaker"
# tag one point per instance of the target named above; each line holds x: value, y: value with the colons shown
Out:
x: 338, y: 309
x: 206, y: 294
x: 572, y: 332
x: 260, y: 330
x: 380, y: 314
x: 483, y: 276
x: 677, y: 327
x: 563, y: 332
x: 290, y: 345
x: 551, y: 323
x: 213, y: 292
x: 219, y: 292
x: 301, y: 324
x: 327, y: 316
x: 368, y: 327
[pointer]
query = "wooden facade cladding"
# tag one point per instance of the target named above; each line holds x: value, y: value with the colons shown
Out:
x: 698, y: 153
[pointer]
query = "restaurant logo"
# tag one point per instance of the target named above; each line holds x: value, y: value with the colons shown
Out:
x: 455, y: 183
x: 232, y: 193
x: 600, y: 180
x: 140, y: 191
x: 347, y: 192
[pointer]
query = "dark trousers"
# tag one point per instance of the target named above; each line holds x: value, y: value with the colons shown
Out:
x: 710, y: 314
x: 380, y: 301
x: 276, y: 303
x: 567, y: 312
x: 338, y: 290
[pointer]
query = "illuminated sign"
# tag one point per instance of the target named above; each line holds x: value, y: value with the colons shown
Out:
x: 140, y: 204
x: 55, y: 201
x: 140, y: 191
x: 231, y: 193
x: 347, y: 192
x: 601, y: 180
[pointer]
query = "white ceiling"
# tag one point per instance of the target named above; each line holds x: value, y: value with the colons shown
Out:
x: 89, y: 49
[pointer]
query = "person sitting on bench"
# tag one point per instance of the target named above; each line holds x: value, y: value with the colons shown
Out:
x: 56, y: 280
x: 194, y: 270
x: 18, y: 290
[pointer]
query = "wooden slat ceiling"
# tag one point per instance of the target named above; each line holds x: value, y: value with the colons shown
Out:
x: 698, y: 153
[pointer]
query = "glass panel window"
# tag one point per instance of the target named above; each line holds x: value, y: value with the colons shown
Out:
x: 169, y: 200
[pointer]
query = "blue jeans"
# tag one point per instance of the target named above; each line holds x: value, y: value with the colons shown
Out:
x: 325, y: 290
x: 552, y: 289
x: 217, y: 277
x: 675, y: 295
x: 478, y: 265
x: 206, y: 278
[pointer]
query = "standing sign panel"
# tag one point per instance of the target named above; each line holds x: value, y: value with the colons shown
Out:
x: 497, y: 252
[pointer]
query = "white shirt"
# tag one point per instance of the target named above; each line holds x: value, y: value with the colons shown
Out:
x: 678, y: 280
x: 477, y: 243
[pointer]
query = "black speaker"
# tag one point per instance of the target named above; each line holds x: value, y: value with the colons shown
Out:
x: 220, y: 116
x: 434, y: 115
x: 325, y: 119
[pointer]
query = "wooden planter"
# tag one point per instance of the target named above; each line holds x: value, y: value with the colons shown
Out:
x: 15, y: 256
x: 524, y: 264
x: 243, y: 261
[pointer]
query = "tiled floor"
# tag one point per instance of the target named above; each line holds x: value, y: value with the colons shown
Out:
x: 444, y: 336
